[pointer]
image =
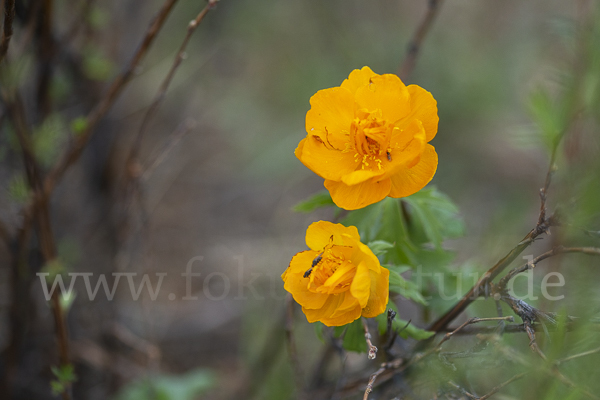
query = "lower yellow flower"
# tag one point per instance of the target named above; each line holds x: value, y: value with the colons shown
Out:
x: 339, y: 278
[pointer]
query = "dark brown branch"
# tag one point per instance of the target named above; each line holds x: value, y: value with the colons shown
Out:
x: 414, y: 46
x: 41, y: 215
x: 7, y: 32
x: 115, y: 89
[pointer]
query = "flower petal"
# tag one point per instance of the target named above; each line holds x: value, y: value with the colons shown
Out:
x: 343, y: 319
x: 379, y: 297
x: 319, y: 233
x: 358, y: 78
x: 359, y: 195
x: 327, y: 310
x: 361, y: 285
x: 324, y: 161
x: 360, y: 175
x: 387, y: 93
x: 424, y: 108
x: 297, y: 285
x: 330, y: 116
x: 407, y: 181
x: 407, y: 145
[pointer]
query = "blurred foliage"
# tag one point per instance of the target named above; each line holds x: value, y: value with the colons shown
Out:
x: 186, y: 386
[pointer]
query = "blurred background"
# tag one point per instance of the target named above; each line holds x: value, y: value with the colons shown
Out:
x: 220, y: 177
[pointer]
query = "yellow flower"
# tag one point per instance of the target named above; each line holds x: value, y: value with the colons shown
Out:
x: 368, y: 138
x: 339, y: 278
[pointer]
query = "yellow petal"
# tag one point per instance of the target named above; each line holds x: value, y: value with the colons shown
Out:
x: 348, y: 304
x: 380, y: 283
x: 424, y: 108
x: 359, y: 195
x: 319, y: 233
x: 407, y: 145
x: 360, y: 175
x: 343, y: 319
x: 358, y: 78
x: 327, y: 310
x: 343, y: 273
x: 324, y: 161
x: 361, y: 285
x: 387, y: 93
x: 363, y: 254
x: 407, y: 181
x: 330, y: 116
x: 297, y: 285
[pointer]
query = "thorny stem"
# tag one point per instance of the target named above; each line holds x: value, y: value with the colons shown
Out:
x: 412, y: 52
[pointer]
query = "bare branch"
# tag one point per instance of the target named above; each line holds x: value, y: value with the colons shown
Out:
x: 94, y: 117
x: 7, y: 32
x: 372, y: 349
x: 160, y: 95
x: 414, y: 46
x: 500, y: 386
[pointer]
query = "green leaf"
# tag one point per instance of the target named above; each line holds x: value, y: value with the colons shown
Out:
x: 383, y: 221
x: 47, y: 139
x: 354, y: 338
x: 403, y: 287
x: 319, y: 200
x: 79, y: 124
x: 379, y: 247
x: 18, y: 189
x: 183, y: 387
x: 401, y: 326
x: 433, y: 217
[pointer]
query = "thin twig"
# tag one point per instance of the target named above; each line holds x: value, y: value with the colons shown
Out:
x: 573, y: 357
x: 500, y: 386
x: 172, y: 141
x: 94, y: 117
x: 7, y: 32
x: 181, y: 55
x: 385, y: 366
x: 414, y: 46
x: 291, y: 346
x: 372, y: 349
x: 531, y: 264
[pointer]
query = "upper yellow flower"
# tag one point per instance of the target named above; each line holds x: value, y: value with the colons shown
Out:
x: 368, y: 138
x: 339, y: 279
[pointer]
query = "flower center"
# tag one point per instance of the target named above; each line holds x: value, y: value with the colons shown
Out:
x: 334, y: 273
x: 370, y: 137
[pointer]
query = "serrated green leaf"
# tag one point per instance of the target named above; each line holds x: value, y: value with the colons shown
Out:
x: 384, y: 221
x: 319, y: 200
x: 433, y: 217
x: 403, y: 287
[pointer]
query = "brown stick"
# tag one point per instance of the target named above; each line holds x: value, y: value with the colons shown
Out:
x: 9, y: 16
x: 94, y: 117
x: 410, y: 60
x: 160, y: 95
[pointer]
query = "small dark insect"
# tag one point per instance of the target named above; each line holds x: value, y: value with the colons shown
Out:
x: 314, y: 264
x: 389, y: 156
